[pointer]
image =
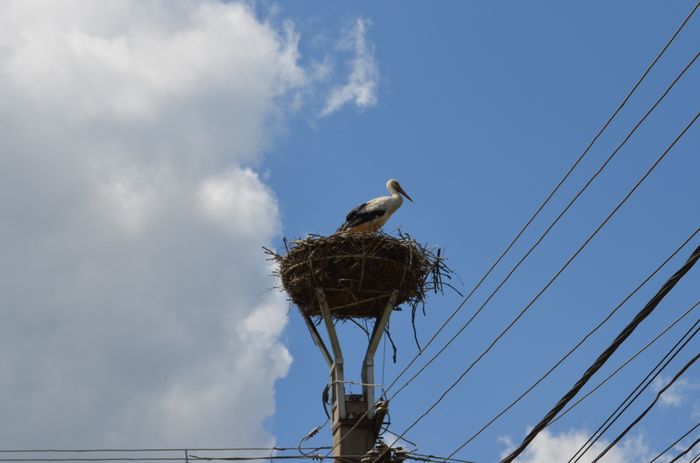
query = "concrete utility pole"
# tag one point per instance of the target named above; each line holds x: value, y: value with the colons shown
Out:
x: 356, y: 276
x: 357, y: 418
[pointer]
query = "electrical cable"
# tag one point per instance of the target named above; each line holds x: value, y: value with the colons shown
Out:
x: 591, y: 332
x: 684, y: 452
x: 349, y: 458
x: 435, y: 459
x: 539, y: 209
x: 262, y: 457
x: 98, y: 459
x: 602, y: 167
x: 624, y: 364
x: 571, y: 351
x: 493, y: 293
x: 317, y: 457
x: 674, y: 443
x: 308, y: 436
x: 527, y: 307
x: 571, y: 169
x: 556, y: 220
x: 607, y: 353
x: 556, y: 188
x: 185, y: 458
x: 147, y: 450
x: 637, y: 391
x: 191, y: 457
x: 646, y: 410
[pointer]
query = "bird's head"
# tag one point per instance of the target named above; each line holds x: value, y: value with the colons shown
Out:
x: 394, y: 186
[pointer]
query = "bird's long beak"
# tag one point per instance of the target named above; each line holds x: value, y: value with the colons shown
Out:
x: 398, y: 187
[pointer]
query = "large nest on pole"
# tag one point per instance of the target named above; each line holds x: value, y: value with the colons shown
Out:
x: 358, y: 272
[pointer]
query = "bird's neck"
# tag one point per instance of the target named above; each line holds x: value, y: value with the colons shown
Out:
x: 396, y: 200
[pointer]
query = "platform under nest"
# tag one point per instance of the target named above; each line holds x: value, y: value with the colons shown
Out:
x: 358, y: 272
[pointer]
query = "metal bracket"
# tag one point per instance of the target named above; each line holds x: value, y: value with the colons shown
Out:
x: 368, y: 363
x: 337, y: 375
x: 335, y: 362
x: 316, y: 336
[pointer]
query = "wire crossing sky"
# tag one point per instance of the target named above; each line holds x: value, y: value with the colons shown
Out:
x: 607, y: 353
x: 623, y: 148
x: 549, y: 228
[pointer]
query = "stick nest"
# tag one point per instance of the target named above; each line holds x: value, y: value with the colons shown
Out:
x: 358, y: 272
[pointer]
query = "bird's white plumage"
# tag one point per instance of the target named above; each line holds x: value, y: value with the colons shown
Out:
x: 372, y: 215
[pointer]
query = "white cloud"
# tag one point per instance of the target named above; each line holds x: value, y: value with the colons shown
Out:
x: 133, y: 291
x: 677, y: 394
x: 548, y: 447
x: 361, y: 87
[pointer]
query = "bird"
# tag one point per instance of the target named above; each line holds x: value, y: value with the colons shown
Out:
x: 373, y: 214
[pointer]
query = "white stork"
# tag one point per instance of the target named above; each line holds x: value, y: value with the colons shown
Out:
x: 372, y: 215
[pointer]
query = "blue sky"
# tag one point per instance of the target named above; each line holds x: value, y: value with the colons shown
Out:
x: 482, y: 107
x: 149, y: 149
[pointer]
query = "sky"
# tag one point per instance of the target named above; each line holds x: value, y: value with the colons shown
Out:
x: 150, y: 149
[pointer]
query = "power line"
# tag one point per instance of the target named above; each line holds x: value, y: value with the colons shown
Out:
x: 607, y: 353
x: 581, y: 341
x: 684, y: 452
x: 675, y: 442
x: 601, y: 168
x: 563, y: 179
x: 532, y: 248
x: 276, y: 457
x: 624, y: 364
x: 556, y: 220
x: 147, y: 450
x: 572, y: 350
x: 527, y: 307
x: 186, y: 457
x: 646, y: 410
x: 536, y: 213
x: 637, y: 391
x: 95, y: 459
x: 434, y: 458
x: 183, y: 458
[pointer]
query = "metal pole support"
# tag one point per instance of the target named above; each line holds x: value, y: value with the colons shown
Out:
x: 348, y: 409
x: 368, y: 363
x: 337, y: 374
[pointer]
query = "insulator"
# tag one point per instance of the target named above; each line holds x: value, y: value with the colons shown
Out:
x: 400, y: 454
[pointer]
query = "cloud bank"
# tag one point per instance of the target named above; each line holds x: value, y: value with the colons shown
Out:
x: 132, y: 289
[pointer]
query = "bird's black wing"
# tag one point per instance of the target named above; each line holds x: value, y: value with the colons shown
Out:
x: 360, y: 215
x: 354, y: 212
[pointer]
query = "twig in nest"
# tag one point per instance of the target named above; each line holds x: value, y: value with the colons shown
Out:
x: 358, y: 273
